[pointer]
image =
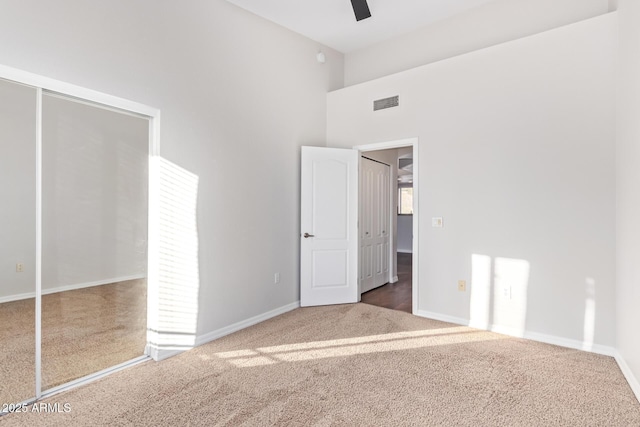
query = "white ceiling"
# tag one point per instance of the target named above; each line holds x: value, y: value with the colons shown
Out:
x: 332, y: 22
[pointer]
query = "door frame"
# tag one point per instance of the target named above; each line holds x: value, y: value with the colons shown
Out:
x: 41, y: 84
x: 400, y: 143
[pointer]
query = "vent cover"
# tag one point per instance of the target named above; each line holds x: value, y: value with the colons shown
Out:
x: 381, y: 104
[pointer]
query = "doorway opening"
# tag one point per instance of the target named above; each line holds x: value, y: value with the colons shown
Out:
x: 398, y: 216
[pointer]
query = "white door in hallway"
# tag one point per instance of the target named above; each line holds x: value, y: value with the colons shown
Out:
x: 329, y: 226
x: 374, y: 224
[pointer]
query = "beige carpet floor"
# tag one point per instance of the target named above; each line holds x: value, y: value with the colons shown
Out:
x: 83, y: 331
x: 356, y: 365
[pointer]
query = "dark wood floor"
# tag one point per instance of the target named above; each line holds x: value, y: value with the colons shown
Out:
x: 396, y: 296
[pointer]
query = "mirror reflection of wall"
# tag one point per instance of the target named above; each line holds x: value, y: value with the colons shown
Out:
x: 94, y: 238
x: 17, y: 241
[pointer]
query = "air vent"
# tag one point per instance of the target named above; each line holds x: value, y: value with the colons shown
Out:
x: 381, y: 104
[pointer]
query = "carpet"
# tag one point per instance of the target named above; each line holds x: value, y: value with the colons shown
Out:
x: 355, y: 365
x: 83, y: 331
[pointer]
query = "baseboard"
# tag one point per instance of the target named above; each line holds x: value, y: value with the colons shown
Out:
x: 394, y: 279
x: 210, y: 336
x: 159, y: 354
x: 628, y: 374
x: 604, y: 350
x: 27, y: 295
x: 405, y: 251
x: 442, y: 317
x: 533, y: 336
x: 17, y: 297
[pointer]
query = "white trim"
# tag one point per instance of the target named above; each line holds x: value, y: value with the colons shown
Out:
x: 203, y: 339
x: 38, y: 266
x: 95, y: 376
x: 405, y: 251
x: 415, y: 235
x: 414, y: 143
x: 153, y: 233
x: 393, y: 235
x: 49, y: 84
x: 159, y: 354
x: 628, y: 374
x: 93, y: 104
x: 441, y: 317
x: 533, y: 336
x: 398, y: 143
x: 605, y: 350
x: 18, y: 297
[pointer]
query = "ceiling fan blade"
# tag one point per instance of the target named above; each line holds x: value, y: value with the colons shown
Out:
x: 361, y: 9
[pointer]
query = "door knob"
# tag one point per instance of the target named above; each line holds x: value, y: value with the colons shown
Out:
x: 307, y: 235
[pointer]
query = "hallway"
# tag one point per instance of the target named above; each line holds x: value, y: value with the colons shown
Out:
x: 396, y: 296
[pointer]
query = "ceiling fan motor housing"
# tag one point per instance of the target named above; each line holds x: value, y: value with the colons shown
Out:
x: 361, y: 9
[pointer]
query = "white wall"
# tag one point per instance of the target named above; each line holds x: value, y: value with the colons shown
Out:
x: 517, y: 155
x: 488, y: 25
x: 17, y: 188
x: 94, y: 195
x: 628, y: 195
x: 238, y: 97
x: 405, y: 233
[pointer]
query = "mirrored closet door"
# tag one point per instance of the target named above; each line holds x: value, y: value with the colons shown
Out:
x: 17, y: 242
x: 73, y: 240
x: 94, y: 238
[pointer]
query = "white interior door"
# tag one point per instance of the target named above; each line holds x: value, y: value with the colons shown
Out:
x: 329, y: 226
x: 374, y: 224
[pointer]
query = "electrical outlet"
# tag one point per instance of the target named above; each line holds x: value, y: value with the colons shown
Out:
x: 462, y: 285
x: 276, y: 278
x: 19, y: 267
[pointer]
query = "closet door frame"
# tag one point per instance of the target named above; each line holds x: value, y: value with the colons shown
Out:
x: 44, y: 84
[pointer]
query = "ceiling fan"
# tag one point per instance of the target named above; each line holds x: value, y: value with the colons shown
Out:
x: 361, y: 9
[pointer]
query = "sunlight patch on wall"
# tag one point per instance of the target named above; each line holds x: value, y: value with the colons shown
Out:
x: 176, y: 300
x: 511, y: 279
x: 589, y: 314
x: 480, y: 308
x: 499, y: 294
